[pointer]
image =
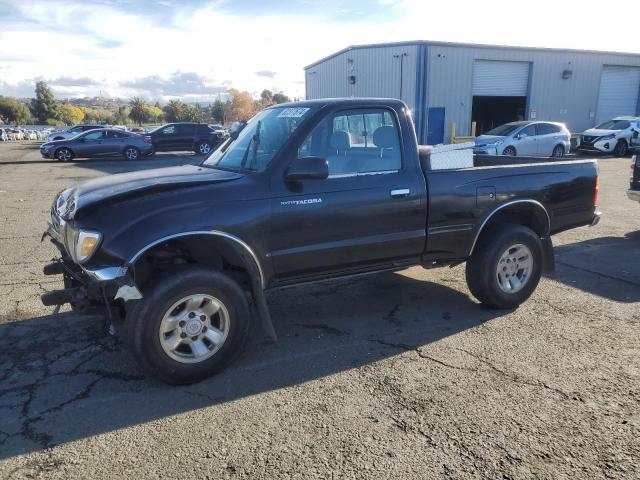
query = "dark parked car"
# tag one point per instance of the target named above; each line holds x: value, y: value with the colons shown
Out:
x: 102, y: 142
x: 196, y: 137
x: 305, y: 192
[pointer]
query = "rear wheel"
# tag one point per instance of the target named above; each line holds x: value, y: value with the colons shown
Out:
x: 131, y: 153
x: 188, y: 325
x: 203, y: 148
x: 558, y: 151
x: 509, y: 151
x: 64, y: 155
x: 621, y: 148
x: 506, y: 266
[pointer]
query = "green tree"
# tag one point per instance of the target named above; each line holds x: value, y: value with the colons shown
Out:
x: 13, y: 111
x: 266, y: 98
x: 190, y: 113
x: 44, y: 106
x: 220, y: 111
x: 138, y: 112
x: 173, y: 110
x: 280, y: 98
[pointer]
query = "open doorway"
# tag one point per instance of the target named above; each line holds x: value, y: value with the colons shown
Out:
x: 490, y: 111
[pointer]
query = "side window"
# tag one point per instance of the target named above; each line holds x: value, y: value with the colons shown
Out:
x: 186, y: 129
x: 547, y: 129
x: 97, y: 135
x: 529, y: 131
x: 170, y: 130
x: 358, y: 141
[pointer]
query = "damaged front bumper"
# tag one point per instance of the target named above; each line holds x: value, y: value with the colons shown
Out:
x: 86, y: 288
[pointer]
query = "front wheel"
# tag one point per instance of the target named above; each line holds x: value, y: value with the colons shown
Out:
x: 188, y: 325
x: 509, y: 151
x: 506, y: 266
x: 621, y: 148
x: 203, y: 148
x: 64, y: 155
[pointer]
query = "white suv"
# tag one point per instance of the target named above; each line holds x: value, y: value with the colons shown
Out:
x: 615, y: 136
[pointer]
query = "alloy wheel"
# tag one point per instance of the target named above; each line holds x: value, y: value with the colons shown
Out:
x: 514, y: 268
x: 194, y: 328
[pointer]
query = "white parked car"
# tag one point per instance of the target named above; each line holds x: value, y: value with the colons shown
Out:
x: 3, y: 135
x: 616, y: 136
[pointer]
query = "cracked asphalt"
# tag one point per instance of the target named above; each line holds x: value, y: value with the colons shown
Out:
x: 397, y: 375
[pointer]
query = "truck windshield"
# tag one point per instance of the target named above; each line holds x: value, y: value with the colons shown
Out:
x: 502, y: 130
x: 260, y: 140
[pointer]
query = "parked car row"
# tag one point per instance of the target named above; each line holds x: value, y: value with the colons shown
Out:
x: 13, y: 134
x: 618, y: 136
x: 94, y: 141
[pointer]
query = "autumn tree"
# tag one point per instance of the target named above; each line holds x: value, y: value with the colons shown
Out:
x: 154, y: 113
x: 138, y: 112
x: 242, y: 107
x: 44, y: 106
x: 70, y: 114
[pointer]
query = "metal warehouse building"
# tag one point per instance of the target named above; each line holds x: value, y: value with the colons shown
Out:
x: 445, y: 83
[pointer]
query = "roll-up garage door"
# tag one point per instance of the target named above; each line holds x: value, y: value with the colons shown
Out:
x: 500, y: 79
x: 619, y: 89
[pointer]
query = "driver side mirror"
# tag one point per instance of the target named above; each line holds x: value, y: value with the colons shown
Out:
x: 307, y: 168
x: 520, y: 136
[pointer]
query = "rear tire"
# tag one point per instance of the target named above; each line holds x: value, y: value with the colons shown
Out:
x: 621, y: 148
x: 558, y: 151
x: 506, y: 266
x: 64, y: 155
x: 186, y: 354
x: 509, y: 151
x: 203, y: 148
x: 132, y: 153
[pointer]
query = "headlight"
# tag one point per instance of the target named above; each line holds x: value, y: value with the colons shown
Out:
x: 497, y: 143
x: 608, y: 137
x: 86, y: 244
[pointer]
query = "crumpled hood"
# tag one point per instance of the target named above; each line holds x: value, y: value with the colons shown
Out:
x: 595, y: 132
x: 126, y: 185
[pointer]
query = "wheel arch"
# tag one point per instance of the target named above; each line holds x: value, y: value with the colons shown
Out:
x: 219, y: 246
x: 528, y: 212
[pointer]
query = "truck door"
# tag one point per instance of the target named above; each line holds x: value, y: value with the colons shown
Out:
x: 370, y: 210
x: 526, y: 142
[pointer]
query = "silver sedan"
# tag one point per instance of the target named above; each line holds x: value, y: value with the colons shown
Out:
x: 527, y: 138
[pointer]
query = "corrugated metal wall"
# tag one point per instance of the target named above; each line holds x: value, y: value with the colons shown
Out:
x: 448, y: 80
x: 377, y: 72
x: 551, y: 97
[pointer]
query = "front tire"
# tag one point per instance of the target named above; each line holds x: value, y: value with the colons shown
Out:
x: 621, y: 148
x: 64, y: 155
x: 203, y: 148
x: 188, y: 325
x: 509, y: 151
x: 506, y: 266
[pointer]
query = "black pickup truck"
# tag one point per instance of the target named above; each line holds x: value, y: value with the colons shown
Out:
x: 181, y: 257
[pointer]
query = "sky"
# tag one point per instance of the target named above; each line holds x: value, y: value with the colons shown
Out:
x: 194, y: 50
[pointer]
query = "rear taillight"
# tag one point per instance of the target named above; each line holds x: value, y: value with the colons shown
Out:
x: 596, y: 192
x: 147, y: 139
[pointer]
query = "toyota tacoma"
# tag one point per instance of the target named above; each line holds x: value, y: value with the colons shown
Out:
x: 180, y: 258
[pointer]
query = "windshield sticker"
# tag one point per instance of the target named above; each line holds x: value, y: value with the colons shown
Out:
x: 293, y: 112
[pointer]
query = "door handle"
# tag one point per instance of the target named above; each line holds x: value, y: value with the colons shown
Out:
x: 400, y: 193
